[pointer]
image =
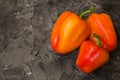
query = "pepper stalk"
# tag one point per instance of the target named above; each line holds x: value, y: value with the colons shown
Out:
x: 91, y: 10
x: 98, y: 43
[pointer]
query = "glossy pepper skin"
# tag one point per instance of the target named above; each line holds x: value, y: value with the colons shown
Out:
x: 91, y: 57
x: 68, y: 32
x: 101, y: 24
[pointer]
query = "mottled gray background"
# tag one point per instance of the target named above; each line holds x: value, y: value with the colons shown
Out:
x: 25, y: 51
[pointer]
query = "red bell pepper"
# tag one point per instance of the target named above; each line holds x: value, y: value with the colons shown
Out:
x: 91, y: 56
x: 68, y: 32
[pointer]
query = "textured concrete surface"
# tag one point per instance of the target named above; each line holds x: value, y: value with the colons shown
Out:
x: 25, y: 51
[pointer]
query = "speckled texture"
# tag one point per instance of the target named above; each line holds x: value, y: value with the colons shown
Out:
x: 25, y: 51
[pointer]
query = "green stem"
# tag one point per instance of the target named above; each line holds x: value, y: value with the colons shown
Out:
x: 98, y: 40
x: 91, y: 10
x: 85, y: 12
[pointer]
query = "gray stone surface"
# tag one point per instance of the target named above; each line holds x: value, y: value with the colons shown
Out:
x: 25, y: 51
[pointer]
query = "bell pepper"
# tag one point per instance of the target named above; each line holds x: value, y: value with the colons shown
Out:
x: 68, y: 32
x: 91, y: 56
x: 102, y: 25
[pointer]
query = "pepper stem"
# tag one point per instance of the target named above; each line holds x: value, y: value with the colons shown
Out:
x: 91, y: 10
x: 85, y: 12
x: 98, y: 43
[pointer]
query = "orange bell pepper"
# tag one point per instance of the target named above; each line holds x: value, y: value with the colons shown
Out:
x: 102, y: 25
x: 91, y: 56
x: 68, y: 32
